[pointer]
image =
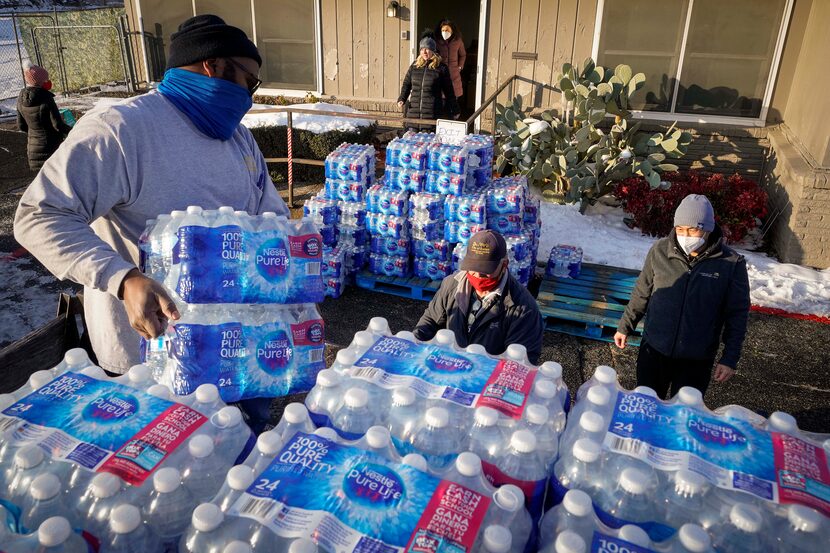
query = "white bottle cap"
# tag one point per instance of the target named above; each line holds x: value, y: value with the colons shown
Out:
x: 166, y: 480
x: 105, y: 485
x: 476, y: 349
x: 403, y: 396
x: 356, y: 398
x: 646, y: 391
x: 577, y: 503
x: 193, y: 209
x: 634, y: 534
x: 240, y: 477
x: 746, y: 518
x: 46, y: 486
x: 694, y: 538
x: 207, y: 517
x: 687, y: 482
x: 415, y: 460
x: 207, y: 394
x: 783, y: 422
x: 497, y: 539
x: 328, y: 378
x: 804, y: 519
x: 138, y: 374
x: 94, y: 371
x: 633, y: 481
x: 295, y: 413
x: 125, y: 519
x: 586, y: 450
x: 159, y: 390
x: 509, y: 497
x: 406, y: 335
x: 39, y: 379
x: 544, y: 388
x: 346, y: 358
x: 241, y: 213
x: 364, y: 339
x: 379, y: 325
x: 523, y: 441
x: 76, y: 357
x: 551, y: 370
x: 226, y: 210
x: 269, y: 215
x: 200, y: 446
x: 53, y: 532
x: 536, y: 414
x: 437, y: 417
x: 486, y: 416
x: 269, y: 443
x: 302, y: 545
x: 378, y: 437
x: 599, y: 396
x: 468, y: 464
x: 591, y: 421
x: 228, y: 417
x: 690, y: 396
x: 28, y: 456
x: 516, y: 352
x: 569, y: 542
x: 605, y: 374
x: 237, y: 546
x: 177, y: 213
x: 328, y: 433
x: 445, y: 337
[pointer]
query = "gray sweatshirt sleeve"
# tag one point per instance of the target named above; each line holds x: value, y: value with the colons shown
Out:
x: 81, y: 182
x: 736, y: 314
x: 640, y: 297
x: 270, y: 199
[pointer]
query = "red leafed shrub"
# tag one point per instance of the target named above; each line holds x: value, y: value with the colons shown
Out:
x: 739, y: 202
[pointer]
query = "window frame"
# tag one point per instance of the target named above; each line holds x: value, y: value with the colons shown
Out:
x: 672, y: 115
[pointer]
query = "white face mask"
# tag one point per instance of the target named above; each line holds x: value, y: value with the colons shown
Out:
x: 446, y: 35
x: 690, y: 243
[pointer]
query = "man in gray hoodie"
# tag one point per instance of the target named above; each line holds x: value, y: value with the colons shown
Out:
x: 694, y: 292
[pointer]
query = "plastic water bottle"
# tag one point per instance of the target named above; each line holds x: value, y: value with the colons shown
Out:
x: 690, y: 538
x: 496, y: 539
x: 128, y: 534
x: 630, y: 499
x: 232, y: 434
x: 535, y: 419
x: 53, y: 536
x: 362, y: 341
x: 802, y: 531
x: 634, y: 534
x: 193, y: 218
x: 208, y: 532
x: 207, y: 400
x: 591, y: 425
x: 161, y: 391
x: 684, y: 498
x: 508, y: 510
x: 741, y: 533
x: 603, y: 376
x: 294, y: 419
x: 434, y: 438
x: 77, y: 359
x: 521, y: 460
x: 29, y: 463
x: 404, y: 413
x: 446, y: 338
x: 104, y: 492
x: 379, y: 327
x: 581, y: 470
x: 546, y: 393
x: 468, y: 472
x: 517, y: 353
x: 44, y: 501
x: 690, y: 397
x: 354, y: 417
x: 379, y: 441
x: 782, y: 422
x: 486, y: 437
x: 154, y: 265
x: 205, y: 470
x: 597, y: 399
x: 569, y: 542
x: 575, y: 513
x: 237, y: 546
x: 268, y: 444
x: 169, y: 507
x: 324, y: 398
x: 328, y: 433
x: 238, y: 479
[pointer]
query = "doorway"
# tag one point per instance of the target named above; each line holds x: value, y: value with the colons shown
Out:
x: 466, y: 15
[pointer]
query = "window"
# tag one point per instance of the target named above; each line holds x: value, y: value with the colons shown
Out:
x: 287, y: 36
x: 700, y: 57
x: 237, y: 13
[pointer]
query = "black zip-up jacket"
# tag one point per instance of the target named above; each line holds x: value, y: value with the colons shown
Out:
x: 512, y: 317
x: 690, y: 304
x: 39, y: 117
x: 422, y: 89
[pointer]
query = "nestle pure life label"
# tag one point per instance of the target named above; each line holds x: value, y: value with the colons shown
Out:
x: 351, y: 500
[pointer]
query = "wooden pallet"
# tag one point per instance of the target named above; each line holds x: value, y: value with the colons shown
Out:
x: 412, y: 287
x: 590, y: 305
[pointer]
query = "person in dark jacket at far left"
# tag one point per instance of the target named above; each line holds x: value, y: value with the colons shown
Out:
x: 38, y: 116
x: 427, y: 91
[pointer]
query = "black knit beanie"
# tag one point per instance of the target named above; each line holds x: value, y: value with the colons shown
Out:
x: 208, y: 36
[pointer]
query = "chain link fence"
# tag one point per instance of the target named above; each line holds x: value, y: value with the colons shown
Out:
x: 12, y: 57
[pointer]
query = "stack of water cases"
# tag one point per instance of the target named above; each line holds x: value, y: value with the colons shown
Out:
x: 339, y: 211
x: 565, y: 261
x: 116, y: 465
x: 245, y: 287
x: 636, y: 473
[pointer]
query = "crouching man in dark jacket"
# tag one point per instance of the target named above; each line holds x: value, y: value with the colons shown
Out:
x: 693, y: 291
x: 483, y: 304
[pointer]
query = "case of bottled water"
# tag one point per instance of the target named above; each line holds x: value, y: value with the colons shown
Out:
x: 389, y: 246
x: 440, y: 182
x: 449, y: 158
x: 458, y: 255
x: 387, y: 225
x: 410, y: 180
x: 426, y: 229
x: 461, y: 232
x: 429, y: 205
x: 334, y: 260
x: 506, y: 195
x: 343, y: 190
x: 349, y: 235
x: 432, y: 269
x: 329, y: 235
x: 352, y: 214
x: 532, y: 207
x: 506, y: 223
x: 387, y: 201
x: 522, y: 271
x: 439, y: 250
x: 390, y: 265
x: 564, y: 261
x: 322, y: 211
x: 468, y: 208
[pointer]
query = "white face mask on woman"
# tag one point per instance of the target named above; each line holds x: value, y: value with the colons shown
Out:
x: 446, y: 35
x: 690, y: 243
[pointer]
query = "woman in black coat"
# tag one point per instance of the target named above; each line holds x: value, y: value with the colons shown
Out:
x: 427, y: 90
x: 38, y: 116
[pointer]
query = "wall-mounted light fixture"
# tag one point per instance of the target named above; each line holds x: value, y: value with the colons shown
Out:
x: 392, y: 9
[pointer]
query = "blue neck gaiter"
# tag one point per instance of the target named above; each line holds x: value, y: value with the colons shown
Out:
x: 215, y: 106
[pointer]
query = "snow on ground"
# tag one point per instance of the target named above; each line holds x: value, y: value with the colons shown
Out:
x: 317, y: 124
x: 606, y: 240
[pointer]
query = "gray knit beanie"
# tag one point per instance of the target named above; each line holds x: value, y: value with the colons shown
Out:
x: 428, y: 43
x: 695, y: 211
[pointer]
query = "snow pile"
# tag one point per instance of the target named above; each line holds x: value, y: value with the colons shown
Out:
x: 606, y: 240
x: 318, y: 124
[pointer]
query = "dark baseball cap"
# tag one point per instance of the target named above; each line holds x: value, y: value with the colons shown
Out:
x: 485, y: 252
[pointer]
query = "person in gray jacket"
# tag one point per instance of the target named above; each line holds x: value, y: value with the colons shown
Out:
x: 483, y: 304
x: 694, y: 292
